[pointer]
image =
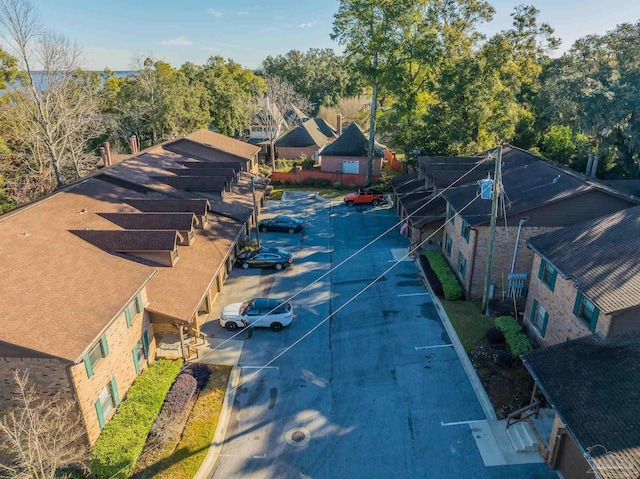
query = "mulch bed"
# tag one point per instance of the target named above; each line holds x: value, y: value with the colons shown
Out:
x: 435, y: 283
x: 505, y: 379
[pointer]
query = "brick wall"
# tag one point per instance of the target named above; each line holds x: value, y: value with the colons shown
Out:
x: 301, y: 175
x: 118, y: 363
x: 460, y: 245
x: 559, y: 303
x: 334, y: 163
x: 293, y: 153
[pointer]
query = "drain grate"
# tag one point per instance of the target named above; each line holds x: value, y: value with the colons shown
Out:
x: 298, y: 436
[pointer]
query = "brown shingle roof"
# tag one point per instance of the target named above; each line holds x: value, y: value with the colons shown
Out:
x: 124, y: 241
x: 601, y: 256
x: 212, y: 164
x: 224, y: 143
x: 228, y: 173
x: 195, y: 183
x: 152, y: 221
x: 594, y: 386
x: 197, y: 206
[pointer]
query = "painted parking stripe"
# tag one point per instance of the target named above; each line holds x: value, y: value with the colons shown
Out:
x: 413, y: 294
x: 431, y: 347
x: 260, y: 367
x: 458, y: 423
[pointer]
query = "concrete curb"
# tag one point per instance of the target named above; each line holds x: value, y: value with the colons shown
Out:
x: 481, y: 394
x: 206, y: 468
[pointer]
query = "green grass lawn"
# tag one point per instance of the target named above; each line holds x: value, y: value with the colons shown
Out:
x: 329, y: 193
x: 470, y: 324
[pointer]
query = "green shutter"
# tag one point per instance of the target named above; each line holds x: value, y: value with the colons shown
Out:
x: 594, y: 319
x: 544, y: 323
x: 105, y: 346
x: 136, y: 363
x: 127, y: 315
x: 541, y: 270
x: 139, y: 303
x: 552, y: 283
x: 88, y: 366
x: 114, y: 390
x: 576, y: 306
x: 534, y: 308
x: 100, y: 415
x: 145, y: 339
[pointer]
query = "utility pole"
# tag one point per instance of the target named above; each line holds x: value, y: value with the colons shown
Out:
x: 497, y: 189
x: 372, y: 122
x: 255, y: 212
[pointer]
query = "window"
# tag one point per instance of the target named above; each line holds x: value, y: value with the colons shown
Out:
x: 174, y: 253
x: 539, y: 317
x: 133, y: 308
x: 451, y: 214
x: 448, y: 244
x: 462, y: 264
x: 139, y: 355
x: 547, y: 274
x: 95, y: 355
x: 108, y: 399
x: 465, y: 231
x: 586, y: 310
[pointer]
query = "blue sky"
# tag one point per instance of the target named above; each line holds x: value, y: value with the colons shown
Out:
x: 112, y: 32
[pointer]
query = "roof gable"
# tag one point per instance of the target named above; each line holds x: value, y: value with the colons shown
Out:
x: 152, y: 221
x: 352, y: 142
x: 325, y: 128
x: 196, y: 206
x: 127, y: 241
x: 305, y: 135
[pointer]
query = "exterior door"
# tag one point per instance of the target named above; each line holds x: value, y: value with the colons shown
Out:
x: 571, y: 462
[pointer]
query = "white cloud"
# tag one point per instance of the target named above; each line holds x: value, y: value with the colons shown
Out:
x: 215, y: 13
x: 242, y: 12
x: 306, y: 25
x: 179, y: 41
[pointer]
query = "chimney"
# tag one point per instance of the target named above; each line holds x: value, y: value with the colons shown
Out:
x: 107, y: 154
x: 594, y: 168
x: 339, y: 124
x: 133, y: 141
x: 589, y: 164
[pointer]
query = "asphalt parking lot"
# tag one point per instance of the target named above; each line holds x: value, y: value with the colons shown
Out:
x: 375, y: 390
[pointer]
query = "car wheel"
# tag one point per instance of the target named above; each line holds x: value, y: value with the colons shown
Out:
x: 291, y: 231
x: 375, y: 202
x: 264, y: 229
x: 349, y: 204
x: 231, y: 326
x: 245, y: 265
x: 279, y: 266
x: 276, y: 326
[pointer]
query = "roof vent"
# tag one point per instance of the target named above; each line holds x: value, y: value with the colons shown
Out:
x: 556, y: 179
x: 24, y: 233
x: 83, y: 210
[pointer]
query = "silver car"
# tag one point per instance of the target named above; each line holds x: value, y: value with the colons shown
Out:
x: 258, y: 312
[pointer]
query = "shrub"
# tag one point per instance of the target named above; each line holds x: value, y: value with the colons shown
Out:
x: 337, y: 185
x: 450, y: 284
x: 308, y: 163
x: 323, y: 183
x: 517, y: 341
x: 180, y: 393
x: 495, y: 336
x: 352, y: 186
x: 201, y: 373
x: 123, y: 438
x: 435, y: 283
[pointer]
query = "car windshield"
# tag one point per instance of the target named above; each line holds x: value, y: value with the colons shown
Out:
x: 244, y: 307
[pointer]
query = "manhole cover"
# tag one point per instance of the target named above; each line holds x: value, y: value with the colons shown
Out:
x: 297, y: 436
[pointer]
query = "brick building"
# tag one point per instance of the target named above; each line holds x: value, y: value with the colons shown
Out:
x: 349, y: 153
x: 586, y: 279
x: 306, y: 139
x: 541, y: 197
x: 100, y: 272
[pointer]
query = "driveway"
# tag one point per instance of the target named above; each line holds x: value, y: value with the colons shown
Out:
x: 376, y: 391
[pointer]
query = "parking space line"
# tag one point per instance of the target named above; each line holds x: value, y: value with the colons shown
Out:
x: 431, y: 347
x: 259, y: 367
x: 458, y: 423
x: 413, y: 294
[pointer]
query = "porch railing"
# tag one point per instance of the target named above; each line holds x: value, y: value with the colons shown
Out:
x: 523, y: 413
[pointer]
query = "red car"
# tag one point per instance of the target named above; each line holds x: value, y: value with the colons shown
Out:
x: 364, y: 197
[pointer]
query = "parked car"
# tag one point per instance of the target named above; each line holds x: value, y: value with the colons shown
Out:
x: 265, y: 258
x: 288, y: 224
x: 258, y: 312
x: 365, y: 196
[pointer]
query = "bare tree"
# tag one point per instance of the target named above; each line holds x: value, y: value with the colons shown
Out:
x: 53, y: 111
x: 41, y: 435
x: 270, y: 108
x: 351, y: 108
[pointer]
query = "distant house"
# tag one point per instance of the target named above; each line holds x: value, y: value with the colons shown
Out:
x: 592, y: 385
x: 267, y: 123
x: 306, y: 139
x: 325, y: 128
x: 293, y: 116
x: 120, y: 268
x: 350, y: 153
x: 540, y: 196
x: 586, y: 279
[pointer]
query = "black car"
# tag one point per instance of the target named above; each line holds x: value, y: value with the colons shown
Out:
x: 265, y: 258
x: 288, y: 224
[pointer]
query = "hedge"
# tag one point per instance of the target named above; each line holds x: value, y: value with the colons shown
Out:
x: 450, y: 284
x: 120, y: 443
x: 517, y: 341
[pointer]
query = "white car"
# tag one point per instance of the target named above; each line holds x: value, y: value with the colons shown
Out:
x: 258, y: 312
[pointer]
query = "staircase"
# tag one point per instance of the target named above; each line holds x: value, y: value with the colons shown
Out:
x: 522, y: 437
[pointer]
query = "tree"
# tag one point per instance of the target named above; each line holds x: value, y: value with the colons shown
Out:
x: 560, y: 143
x: 319, y: 74
x: 42, y: 436
x: 54, y: 112
x: 6, y: 202
x: 351, y: 108
x: 270, y: 107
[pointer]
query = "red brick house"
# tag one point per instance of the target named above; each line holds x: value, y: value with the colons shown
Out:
x: 301, y: 140
x: 104, y: 268
x: 586, y: 279
x: 349, y: 153
x: 540, y: 196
